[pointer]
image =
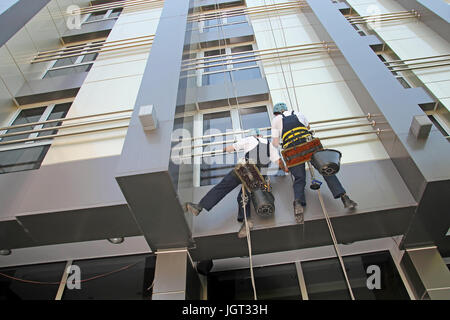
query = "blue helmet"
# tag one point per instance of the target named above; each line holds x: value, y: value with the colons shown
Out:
x: 254, y: 132
x: 280, y: 107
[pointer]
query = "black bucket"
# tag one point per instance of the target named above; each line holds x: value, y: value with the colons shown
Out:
x: 263, y: 202
x: 327, y: 161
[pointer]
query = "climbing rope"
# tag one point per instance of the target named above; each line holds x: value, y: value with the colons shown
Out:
x: 333, y: 236
x: 249, y: 243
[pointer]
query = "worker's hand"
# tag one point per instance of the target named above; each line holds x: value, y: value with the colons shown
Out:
x: 282, y: 166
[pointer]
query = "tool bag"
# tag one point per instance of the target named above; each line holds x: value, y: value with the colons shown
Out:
x: 301, y: 153
x: 259, y: 189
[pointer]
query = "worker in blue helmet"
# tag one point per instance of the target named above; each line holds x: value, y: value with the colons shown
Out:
x: 285, y: 122
x: 259, y: 151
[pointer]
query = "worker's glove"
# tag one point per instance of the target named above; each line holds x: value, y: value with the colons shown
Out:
x: 282, y: 166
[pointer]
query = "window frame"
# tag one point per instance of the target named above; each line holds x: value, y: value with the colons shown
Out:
x: 229, y: 68
x: 106, y: 16
x: 47, y: 112
x: 78, y: 59
x: 237, y: 125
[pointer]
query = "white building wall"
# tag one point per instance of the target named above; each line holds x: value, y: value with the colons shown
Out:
x: 312, y: 84
x: 411, y: 38
x: 112, y: 85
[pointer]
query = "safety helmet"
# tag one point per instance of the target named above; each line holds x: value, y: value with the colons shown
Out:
x: 280, y: 107
x: 254, y: 132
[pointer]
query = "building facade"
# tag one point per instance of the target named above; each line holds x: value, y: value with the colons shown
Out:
x: 114, y: 113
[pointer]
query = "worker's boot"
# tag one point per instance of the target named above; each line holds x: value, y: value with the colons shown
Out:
x: 348, y: 203
x: 193, y: 208
x: 298, y: 212
x: 243, y: 231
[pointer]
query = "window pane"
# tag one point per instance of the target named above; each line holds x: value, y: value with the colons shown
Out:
x: 275, y: 282
x: 65, y: 62
x: 132, y: 283
x: 214, y: 168
x: 246, y: 74
x: 115, y: 13
x: 96, y: 16
x: 67, y: 71
x: 58, y: 112
x: 254, y: 118
x: 89, y: 57
x: 22, y: 159
x: 325, y: 280
x: 18, y: 290
x: 25, y: 116
x: 215, y: 78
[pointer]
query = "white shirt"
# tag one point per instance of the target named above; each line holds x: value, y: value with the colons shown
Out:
x: 249, y: 143
x: 277, y: 123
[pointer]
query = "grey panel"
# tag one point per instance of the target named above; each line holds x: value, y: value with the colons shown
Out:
x: 89, y: 31
x: 412, y: 276
x: 12, y: 235
x: 80, y: 225
x: 217, y: 95
x: 70, y: 186
x: 385, y: 207
x: 143, y: 169
x: 17, y: 14
x: 48, y: 89
x: 434, y: 13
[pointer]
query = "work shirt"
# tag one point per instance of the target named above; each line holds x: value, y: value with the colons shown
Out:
x: 249, y: 143
x: 277, y: 123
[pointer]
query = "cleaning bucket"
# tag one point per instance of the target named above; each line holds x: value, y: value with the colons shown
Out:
x: 327, y: 161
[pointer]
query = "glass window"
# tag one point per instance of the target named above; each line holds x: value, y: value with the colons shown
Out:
x: 214, y: 168
x: 211, y: 25
x: 254, y: 118
x: 129, y: 278
x: 67, y: 71
x: 96, y: 16
x: 25, y: 116
x: 22, y: 159
x: 245, y: 74
x: 14, y: 289
x: 235, y: 22
x: 272, y: 283
x: 325, y: 280
x: 115, y: 13
x: 65, y: 62
x: 59, y: 111
x: 218, y: 77
x: 89, y: 57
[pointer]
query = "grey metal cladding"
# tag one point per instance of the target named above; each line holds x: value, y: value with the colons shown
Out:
x: 17, y: 15
x: 86, y: 224
x: 385, y: 207
x: 65, y: 202
x: 207, y: 95
x: 434, y: 13
x: 48, y: 89
x: 89, y: 31
x: 142, y: 172
x: 13, y: 235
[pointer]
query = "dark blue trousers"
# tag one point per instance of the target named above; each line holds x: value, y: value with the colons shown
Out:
x: 299, y: 174
x: 220, y: 190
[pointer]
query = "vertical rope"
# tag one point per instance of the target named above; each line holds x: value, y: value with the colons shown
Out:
x: 249, y: 243
x: 333, y: 236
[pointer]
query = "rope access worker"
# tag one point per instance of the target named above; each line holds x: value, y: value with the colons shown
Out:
x: 292, y: 128
x: 261, y: 152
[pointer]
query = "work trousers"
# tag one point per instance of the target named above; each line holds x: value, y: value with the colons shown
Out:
x: 299, y: 174
x: 220, y: 190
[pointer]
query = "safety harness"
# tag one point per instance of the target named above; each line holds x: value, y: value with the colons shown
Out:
x: 294, y: 132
